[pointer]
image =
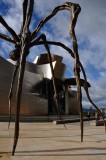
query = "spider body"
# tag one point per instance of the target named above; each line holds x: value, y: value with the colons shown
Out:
x: 25, y: 40
x: 15, y: 54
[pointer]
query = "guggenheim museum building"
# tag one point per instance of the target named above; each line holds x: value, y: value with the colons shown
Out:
x: 37, y: 93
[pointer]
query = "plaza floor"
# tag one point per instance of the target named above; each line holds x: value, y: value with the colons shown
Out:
x: 46, y: 141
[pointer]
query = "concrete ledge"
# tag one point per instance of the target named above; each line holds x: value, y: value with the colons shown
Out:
x: 43, y: 118
x: 100, y: 123
x: 52, y: 118
x: 70, y: 120
x: 66, y: 121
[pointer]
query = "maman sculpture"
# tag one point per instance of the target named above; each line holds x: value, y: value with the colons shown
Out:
x: 25, y: 40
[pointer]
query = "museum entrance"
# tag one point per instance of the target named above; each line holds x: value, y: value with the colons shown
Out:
x: 52, y: 108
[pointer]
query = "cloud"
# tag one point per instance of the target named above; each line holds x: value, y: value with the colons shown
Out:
x: 91, y: 26
x: 97, y: 92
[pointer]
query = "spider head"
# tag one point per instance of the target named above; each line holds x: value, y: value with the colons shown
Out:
x: 15, y: 54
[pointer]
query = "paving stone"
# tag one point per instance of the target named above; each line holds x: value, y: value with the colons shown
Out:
x: 46, y: 141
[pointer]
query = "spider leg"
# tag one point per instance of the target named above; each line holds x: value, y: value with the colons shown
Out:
x: 88, y: 96
x: 7, y: 38
x: 75, y: 12
x: 53, y: 76
x: 18, y: 96
x: 25, y: 3
x: 29, y: 13
x: 25, y: 39
x: 90, y: 100
x: 11, y: 88
x: 44, y: 20
x: 11, y: 31
x: 43, y: 37
x: 53, y: 43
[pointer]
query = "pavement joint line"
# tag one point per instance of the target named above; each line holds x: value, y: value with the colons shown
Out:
x: 62, y: 144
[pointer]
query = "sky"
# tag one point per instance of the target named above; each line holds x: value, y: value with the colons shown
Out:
x: 90, y: 31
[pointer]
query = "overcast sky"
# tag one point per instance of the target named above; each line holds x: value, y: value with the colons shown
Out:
x: 90, y: 31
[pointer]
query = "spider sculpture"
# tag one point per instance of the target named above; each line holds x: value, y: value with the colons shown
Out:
x: 25, y: 40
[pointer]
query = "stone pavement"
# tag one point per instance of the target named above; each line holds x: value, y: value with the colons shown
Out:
x: 46, y: 141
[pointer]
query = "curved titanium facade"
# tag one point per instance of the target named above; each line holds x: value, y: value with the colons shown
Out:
x: 32, y: 103
x: 42, y: 64
x: 37, y: 93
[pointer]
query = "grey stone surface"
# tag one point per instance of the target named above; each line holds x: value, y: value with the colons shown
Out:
x: 45, y: 141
